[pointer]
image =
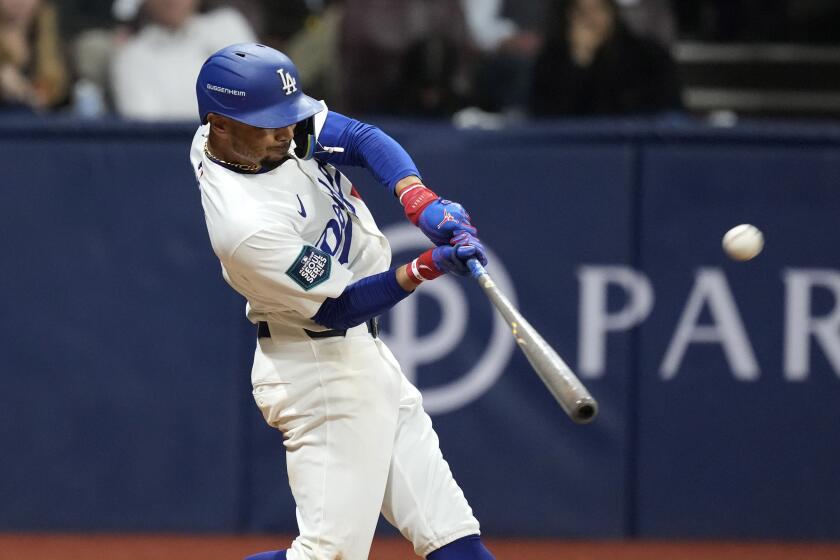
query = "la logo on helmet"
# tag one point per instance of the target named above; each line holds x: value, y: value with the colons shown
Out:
x: 289, y: 82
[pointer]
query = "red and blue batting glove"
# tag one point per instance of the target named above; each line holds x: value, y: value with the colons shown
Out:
x: 467, y: 239
x: 441, y: 260
x: 437, y: 218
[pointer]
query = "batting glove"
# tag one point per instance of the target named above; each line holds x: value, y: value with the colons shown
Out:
x: 467, y: 239
x: 439, y: 261
x: 437, y: 218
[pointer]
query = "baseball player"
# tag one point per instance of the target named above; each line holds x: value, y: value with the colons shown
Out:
x: 297, y: 241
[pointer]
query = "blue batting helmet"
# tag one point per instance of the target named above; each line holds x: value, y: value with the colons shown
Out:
x: 253, y: 84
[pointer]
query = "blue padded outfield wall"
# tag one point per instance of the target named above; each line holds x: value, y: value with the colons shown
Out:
x: 125, y: 401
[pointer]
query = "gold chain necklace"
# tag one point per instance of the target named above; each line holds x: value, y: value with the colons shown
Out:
x: 242, y: 166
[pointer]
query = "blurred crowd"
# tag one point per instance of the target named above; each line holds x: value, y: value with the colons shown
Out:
x: 139, y: 58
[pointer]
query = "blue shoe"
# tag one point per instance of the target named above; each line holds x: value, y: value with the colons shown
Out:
x: 270, y: 555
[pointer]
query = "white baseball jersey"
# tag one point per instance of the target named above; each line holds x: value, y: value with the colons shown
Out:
x: 288, y: 238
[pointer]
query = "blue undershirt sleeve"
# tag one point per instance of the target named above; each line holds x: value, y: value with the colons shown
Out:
x: 360, y: 301
x: 365, y: 146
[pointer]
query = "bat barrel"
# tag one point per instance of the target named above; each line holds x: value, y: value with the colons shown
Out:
x: 548, y: 365
x: 584, y: 411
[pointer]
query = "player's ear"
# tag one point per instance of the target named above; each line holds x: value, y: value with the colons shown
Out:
x: 218, y: 123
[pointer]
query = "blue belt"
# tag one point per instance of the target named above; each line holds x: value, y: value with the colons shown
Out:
x: 372, y: 327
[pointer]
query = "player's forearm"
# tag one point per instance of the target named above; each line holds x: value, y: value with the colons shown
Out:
x: 403, y: 280
x: 362, y: 300
x: 406, y: 182
x: 371, y: 296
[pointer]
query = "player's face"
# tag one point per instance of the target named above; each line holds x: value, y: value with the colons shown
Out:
x: 267, y: 146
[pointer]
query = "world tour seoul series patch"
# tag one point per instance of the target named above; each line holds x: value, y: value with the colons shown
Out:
x: 312, y: 267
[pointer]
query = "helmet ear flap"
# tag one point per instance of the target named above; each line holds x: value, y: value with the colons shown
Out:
x: 305, y: 139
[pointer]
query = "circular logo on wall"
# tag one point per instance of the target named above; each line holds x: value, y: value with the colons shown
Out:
x: 414, y: 349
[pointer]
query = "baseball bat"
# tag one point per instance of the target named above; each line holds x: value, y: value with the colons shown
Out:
x: 557, y: 376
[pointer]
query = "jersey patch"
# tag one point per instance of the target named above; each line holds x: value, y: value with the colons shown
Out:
x: 312, y: 267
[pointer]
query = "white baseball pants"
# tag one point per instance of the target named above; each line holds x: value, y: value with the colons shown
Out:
x: 357, y: 442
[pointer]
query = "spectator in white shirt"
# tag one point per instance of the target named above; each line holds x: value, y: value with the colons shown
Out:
x: 153, y: 74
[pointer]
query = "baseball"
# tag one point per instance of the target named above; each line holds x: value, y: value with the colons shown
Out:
x: 743, y: 242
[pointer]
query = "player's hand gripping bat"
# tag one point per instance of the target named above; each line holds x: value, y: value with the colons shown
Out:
x: 557, y: 376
